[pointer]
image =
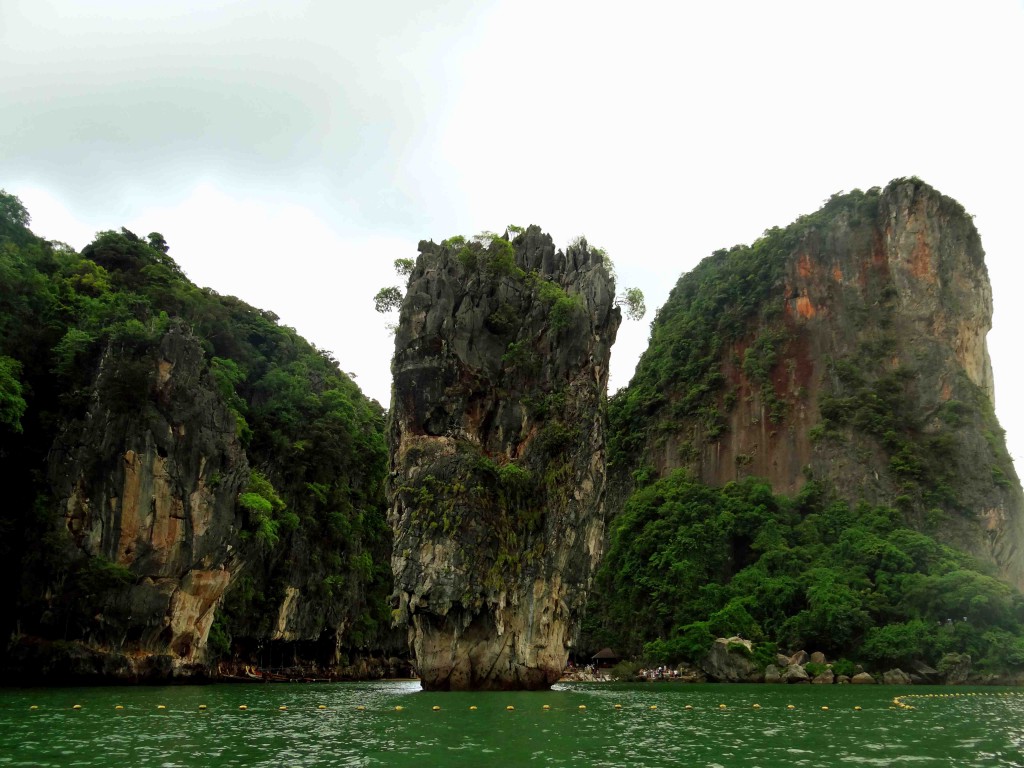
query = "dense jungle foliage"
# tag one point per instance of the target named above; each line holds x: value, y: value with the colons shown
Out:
x: 688, y: 563
x: 314, y: 506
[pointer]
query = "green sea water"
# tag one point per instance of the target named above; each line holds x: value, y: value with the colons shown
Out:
x: 358, y: 725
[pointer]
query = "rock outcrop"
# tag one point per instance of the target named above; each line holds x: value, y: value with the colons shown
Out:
x: 730, y: 661
x: 849, y: 349
x: 896, y: 677
x: 498, y: 456
x: 148, y: 482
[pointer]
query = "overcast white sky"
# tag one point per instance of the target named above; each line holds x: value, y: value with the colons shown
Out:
x: 289, y: 151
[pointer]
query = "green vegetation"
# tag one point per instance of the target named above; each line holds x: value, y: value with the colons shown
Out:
x: 313, y: 510
x: 491, y: 257
x: 688, y: 563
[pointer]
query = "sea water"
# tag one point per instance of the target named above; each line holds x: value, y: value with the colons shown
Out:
x: 397, y: 724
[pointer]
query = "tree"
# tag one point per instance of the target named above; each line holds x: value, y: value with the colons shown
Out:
x: 633, y: 301
x: 12, y: 404
x: 157, y: 241
x: 12, y: 211
x: 388, y: 299
x: 404, y: 267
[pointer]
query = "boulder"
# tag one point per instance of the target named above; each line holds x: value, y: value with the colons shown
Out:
x: 955, y: 668
x: 818, y: 657
x: 921, y: 673
x: 729, y: 661
x: 794, y: 673
x: 800, y: 657
x: 825, y: 678
x: 772, y: 674
x: 843, y: 680
x: 896, y: 677
x: 862, y: 678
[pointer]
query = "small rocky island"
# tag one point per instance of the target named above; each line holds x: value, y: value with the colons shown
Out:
x: 497, y: 446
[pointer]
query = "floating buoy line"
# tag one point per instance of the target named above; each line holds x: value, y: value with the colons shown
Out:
x: 900, y: 703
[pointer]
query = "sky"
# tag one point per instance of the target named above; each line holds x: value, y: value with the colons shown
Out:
x: 290, y: 150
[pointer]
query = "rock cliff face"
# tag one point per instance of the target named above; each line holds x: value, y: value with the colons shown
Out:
x: 148, y: 482
x: 497, y: 448
x: 854, y: 355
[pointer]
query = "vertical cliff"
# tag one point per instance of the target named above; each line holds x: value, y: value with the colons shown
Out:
x: 847, y: 348
x: 497, y: 455
x: 147, y: 481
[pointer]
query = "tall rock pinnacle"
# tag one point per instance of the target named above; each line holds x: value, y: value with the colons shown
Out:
x: 497, y: 447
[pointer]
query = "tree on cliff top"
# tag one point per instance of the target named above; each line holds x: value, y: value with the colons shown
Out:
x: 495, y: 252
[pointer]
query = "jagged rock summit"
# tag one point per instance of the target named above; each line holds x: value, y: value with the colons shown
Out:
x: 497, y: 448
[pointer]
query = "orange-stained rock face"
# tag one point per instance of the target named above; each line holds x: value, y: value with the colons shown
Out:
x: 804, y: 308
x: 152, y: 488
x: 919, y: 308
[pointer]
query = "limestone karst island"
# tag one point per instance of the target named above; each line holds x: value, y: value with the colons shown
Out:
x: 806, y: 461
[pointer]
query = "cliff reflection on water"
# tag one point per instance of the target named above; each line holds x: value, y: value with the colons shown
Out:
x: 658, y: 724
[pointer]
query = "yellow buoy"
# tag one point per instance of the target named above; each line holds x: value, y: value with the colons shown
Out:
x: 202, y: 706
x: 790, y: 706
x: 688, y: 706
x: 360, y: 708
x: 757, y: 706
x: 546, y: 706
x: 34, y: 706
x: 436, y: 708
x: 472, y: 707
x: 510, y: 708
x: 399, y: 708
x: 77, y: 706
x: 618, y: 706
x: 721, y: 706
x: 824, y: 709
x: 653, y: 706
x: 118, y: 706
x: 582, y: 706
x: 242, y: 706
x: 161, y: 706
x: 282, y: 708
x: 856, y: 709
x: 321, y: 706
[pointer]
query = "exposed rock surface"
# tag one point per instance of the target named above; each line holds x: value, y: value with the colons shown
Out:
x: 824, y: 678
x: 862, y: 678
x: 729, y: 661
x: 498, y: 456
x: 878, y: 304
x: 956, y: 667
x: 896, y: 677
x: 799, y: 658
x: 148, y: 481
x: 795, y: 673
